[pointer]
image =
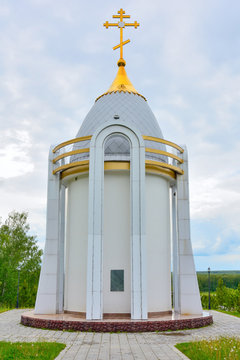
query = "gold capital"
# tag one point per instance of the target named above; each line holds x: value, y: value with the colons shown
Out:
x: 121, y: 24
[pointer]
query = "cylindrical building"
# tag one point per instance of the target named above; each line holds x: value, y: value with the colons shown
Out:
x: 133, y: 112
x: 118, y: 216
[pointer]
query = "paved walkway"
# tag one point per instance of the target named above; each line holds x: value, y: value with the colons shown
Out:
x: 122, y: 346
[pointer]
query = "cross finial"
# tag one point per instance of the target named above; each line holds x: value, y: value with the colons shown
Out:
x: 121, y: 25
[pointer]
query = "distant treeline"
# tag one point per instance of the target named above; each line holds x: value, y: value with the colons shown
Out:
x: 231, y: 279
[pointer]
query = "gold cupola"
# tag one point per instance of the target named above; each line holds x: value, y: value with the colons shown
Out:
x: 121, y: 82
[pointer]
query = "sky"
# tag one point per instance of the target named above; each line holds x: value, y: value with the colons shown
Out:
x: 56, y: 58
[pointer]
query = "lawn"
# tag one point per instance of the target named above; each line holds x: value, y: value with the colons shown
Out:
x: 2, y: 309
x: 233, y: 313
x: 29, y: 351
x: 218, y: 349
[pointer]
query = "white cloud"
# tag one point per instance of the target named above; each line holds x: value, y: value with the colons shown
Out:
x: 54, y: 63
x: 14, y: 153
x: 4, y: 10
x: 217, y: 262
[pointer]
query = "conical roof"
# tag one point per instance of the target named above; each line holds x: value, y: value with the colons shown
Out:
x: 121, y: 83
x: 121, y: 100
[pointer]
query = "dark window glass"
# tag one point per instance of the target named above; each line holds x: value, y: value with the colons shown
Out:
x: 117, y: 280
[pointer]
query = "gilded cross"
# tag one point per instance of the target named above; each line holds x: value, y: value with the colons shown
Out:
x: 121, y: 25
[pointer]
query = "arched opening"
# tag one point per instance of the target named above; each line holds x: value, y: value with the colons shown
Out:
x: 116, y: 230
x: 123, y: 215
x: 117, y: 147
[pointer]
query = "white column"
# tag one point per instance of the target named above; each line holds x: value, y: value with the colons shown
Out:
x: 60, y: 285
x: 95, y: 233
x: 138, y: 237
x: 175, y: 252
x: 189, y: 296
x: 50, y: 283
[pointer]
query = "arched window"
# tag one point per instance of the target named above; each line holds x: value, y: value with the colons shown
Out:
x: 117, y: 147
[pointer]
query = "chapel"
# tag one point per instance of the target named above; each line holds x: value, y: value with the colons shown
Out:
x: 118, y: 241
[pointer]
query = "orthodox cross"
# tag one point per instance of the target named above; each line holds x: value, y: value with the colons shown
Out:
x: 121, y: 25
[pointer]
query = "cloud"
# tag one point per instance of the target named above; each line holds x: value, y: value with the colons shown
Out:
x: 15, y: 160
x: 183, y: 58
x: 4, y: 11
x: 217, y: 262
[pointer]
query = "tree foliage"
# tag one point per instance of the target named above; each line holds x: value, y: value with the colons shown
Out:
x: 18, y: 250
x: 230, y: 280
x: 224, y: 298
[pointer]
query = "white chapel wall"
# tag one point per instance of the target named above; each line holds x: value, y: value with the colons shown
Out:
x: 116, y: 243
x: 158, y: 243
x: 76, y: 245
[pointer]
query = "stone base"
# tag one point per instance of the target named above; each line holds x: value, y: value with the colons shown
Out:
x: 76, y: 323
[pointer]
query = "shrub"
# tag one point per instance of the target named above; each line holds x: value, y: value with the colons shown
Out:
x: 224, y: 298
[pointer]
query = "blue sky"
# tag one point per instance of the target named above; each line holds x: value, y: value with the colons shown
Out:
x: 56, y: 58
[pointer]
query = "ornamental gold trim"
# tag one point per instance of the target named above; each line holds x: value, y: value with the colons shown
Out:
x: 164, y: 165
x: 75, y: 170
x: 159, y: 170
x: 69, y: 153
x: 163, y: 141
x: 116, y: 165
x: 72, y: 141
x: 69, y: 166
x: 151, y: 165
x: 165, y: 153
x: 121, y: 165
x: 119, y: 91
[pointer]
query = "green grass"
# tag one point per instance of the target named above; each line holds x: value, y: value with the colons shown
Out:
x: 29, y: 351
x: 3, y: 309
x: 234, y: 313
x: 219, y: 349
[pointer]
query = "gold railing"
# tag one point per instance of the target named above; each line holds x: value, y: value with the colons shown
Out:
x: 64, y: 151
x: 72, y: 141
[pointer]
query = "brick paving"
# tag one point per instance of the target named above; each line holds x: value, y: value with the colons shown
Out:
x: 117, y: 346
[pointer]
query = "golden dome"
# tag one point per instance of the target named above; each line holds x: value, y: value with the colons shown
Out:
x: 121, y: 82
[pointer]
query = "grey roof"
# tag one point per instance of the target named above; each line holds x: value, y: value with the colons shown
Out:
x: 129, y: 107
